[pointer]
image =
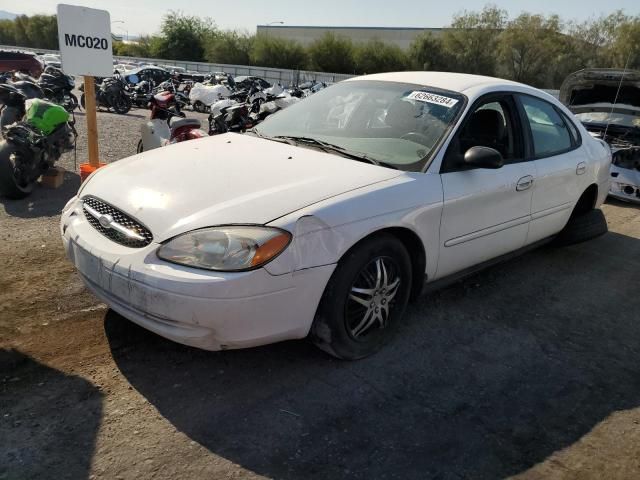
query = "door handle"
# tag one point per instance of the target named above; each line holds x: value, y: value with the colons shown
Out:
x: 581, y: 168
x: 524, y: 183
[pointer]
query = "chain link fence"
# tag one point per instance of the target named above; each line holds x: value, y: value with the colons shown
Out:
x: 283, y: 76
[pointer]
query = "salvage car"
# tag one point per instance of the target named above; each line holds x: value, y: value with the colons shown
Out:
x: 607, y: 102
x: 20, y: 61
x: 328, y: 217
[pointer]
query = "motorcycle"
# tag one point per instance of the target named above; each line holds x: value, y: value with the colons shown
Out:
x: 272, y: 104
x: 57, y: 88
x: 31, y: 146
x: 142, y: 93
x: 112, y: 93
x: 233, y: 118
x: 203, y: 97
x: 12, y: 99
x: 167, y: 124
x: 173, y: 86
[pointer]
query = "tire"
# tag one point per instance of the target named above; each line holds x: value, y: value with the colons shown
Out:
x: 351, y: 329
x: 82, y: 101
x: 9, y: 187
x: 140, y: 147
x: 198, y: 106
x: 121, y: 104
x: 583, y: 227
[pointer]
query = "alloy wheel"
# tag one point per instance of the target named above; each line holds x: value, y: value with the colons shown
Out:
x: 371, y: 298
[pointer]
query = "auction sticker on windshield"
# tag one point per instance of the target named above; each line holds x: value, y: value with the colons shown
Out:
x: 432, y: 98
x: 84, y: 35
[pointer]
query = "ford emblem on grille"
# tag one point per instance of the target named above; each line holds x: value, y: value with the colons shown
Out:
x: 105, y: 220
x: 115, y: 224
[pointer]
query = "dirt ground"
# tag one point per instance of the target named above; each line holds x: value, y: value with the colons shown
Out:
x: 530, y: 369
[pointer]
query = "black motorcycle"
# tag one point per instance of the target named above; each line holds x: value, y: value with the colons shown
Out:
x: 112, y: 93
x: 32, y: 143
x: 142, y: 93
x: 57, y: 88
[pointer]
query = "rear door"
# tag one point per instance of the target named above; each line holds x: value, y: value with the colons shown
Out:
x: 486, y: 212
x: 553, y: 144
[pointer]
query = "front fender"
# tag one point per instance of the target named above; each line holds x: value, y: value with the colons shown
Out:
x: 324, y: 232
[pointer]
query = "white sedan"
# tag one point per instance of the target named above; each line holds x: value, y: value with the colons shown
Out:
x: 331, y: 215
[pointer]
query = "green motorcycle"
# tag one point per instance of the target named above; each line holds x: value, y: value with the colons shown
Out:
x: 31, y: 146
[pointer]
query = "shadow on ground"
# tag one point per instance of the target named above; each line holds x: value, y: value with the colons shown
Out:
x: 621, y: 204
x: 60, y: 445
x: 44, y: 202
x: 485, y: 379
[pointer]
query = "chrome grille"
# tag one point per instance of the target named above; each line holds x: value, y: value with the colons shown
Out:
x: 139, y: 236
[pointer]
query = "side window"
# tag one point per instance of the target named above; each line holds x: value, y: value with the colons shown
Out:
x: 491, y: 124
x: 550, y: 132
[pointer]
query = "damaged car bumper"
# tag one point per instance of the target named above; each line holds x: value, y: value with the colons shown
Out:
x: 204, y: 309
x: 625, y: 184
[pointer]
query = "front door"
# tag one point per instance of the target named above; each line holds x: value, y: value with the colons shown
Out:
x: 486, y: 212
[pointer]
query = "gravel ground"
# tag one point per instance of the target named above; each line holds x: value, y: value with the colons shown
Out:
x: 529, y: 369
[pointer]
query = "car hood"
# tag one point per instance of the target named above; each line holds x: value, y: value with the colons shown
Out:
x: 225, y: 179
x: 602, y: 90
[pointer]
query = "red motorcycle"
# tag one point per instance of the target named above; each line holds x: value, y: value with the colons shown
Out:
x: 167, y: 124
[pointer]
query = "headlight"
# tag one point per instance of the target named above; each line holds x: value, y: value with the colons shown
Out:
x: 227, y: 249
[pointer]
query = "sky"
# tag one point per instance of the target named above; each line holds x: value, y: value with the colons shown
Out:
x: 145, y: 16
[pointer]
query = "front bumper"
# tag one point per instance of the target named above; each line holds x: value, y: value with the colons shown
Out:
x: 209, y: 310
x: 625, y: 184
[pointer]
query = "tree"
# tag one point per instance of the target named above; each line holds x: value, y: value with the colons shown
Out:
x: 277, y: 53
x: 7, y: 32
x: 42, y: 31
x: 38, y: 31
x: 141, y: 48
x: 624, y: 50
x: 332, y: 53
x: 376, y: 56
x: 182, y: 37
x: 229, y: 47
x: 472, y: 40
x: 20, y: 26
x: 427, y: 52
x: 528, y: 45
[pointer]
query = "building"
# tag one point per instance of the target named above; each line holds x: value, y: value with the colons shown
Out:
x: 402, y: 37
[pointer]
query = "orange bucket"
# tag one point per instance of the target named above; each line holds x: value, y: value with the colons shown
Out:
x: 87, y: 169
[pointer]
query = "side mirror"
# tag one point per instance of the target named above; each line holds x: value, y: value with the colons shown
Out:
x: 483, y: 157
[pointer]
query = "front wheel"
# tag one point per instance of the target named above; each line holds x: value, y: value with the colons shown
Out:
x: 198, y: 106
x: 140, y: 148
x: 10, y: 187
x: 364, y: 300
x: 82, y: 101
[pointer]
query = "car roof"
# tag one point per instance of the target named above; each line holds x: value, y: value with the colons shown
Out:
x: 16, y: 54
x: 146, y: 67
x: 457, y: 82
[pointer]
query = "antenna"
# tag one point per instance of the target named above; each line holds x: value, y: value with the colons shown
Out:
x: 624, y: 72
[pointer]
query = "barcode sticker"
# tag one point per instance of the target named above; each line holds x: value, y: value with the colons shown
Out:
x: 433, y: 98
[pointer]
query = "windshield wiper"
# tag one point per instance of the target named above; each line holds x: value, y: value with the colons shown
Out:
x: 330, y: 147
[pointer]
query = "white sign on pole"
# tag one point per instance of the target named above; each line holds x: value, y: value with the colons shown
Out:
x: 85, y: 41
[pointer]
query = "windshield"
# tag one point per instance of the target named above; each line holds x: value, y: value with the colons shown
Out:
x: 392, y: 123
